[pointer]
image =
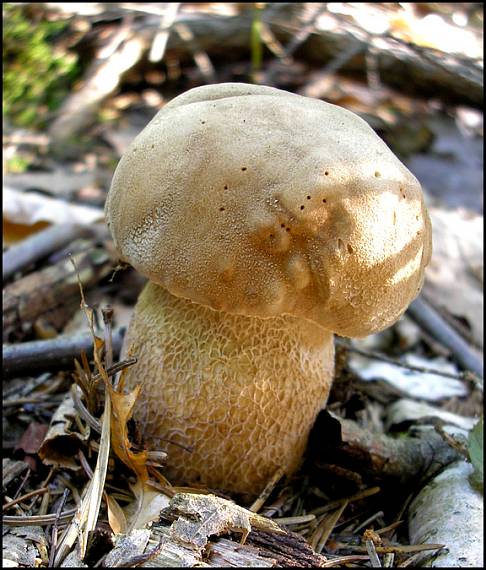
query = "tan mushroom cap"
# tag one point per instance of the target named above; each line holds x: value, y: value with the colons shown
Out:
x: 259, y: 202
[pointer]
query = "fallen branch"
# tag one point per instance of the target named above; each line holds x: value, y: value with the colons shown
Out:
x: 41, y: 244
x: 53, y: 354
x: 380, y: 456
x: 425, y: 316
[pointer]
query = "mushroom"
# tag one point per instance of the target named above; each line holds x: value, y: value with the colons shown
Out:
x: 265, y: 222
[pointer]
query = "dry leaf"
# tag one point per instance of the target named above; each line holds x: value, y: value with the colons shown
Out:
x: 147, y: 506
x: 32, y: 438
x: 62, y: 442
x: 13, y: 233
x: 116, y: 516
x: 11, y: 469
x: 122, y: 405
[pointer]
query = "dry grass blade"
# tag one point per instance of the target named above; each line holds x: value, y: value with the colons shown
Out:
x: 340, y: 560
x: 325, y: 527
x: 388, y: 528
x: 87, y: 513
x: 351, y: 499
x: 38, y: 520
x: 98, y: 481
x: 369, y: 520
x: 86, y: 516
x: 300, y: 519
x: 54, y: 532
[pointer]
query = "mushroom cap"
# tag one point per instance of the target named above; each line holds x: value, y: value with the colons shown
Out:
x: 255, y: 201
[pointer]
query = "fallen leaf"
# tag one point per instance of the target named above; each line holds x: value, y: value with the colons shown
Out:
x: 146, y: 508
x: 116, y: 517
x: 122, y: 409
x: 63, y: 440
x: 476, y: 451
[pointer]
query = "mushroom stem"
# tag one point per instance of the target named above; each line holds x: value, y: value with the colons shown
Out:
x: 230, y: 398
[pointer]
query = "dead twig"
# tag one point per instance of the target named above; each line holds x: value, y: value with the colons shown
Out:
x: 159, y: 43
x: 459, y: 446
x: 122, y: 51
x: 201, y: 58
x: 54, y: 528
x: 39, y: 245
x: 428, y: 318
x: 52, y: 354
x: 23, y: 498
x: 381, y: 457
x: 401, y: 549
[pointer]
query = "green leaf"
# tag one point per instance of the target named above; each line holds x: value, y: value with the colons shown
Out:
x: 475, y: 448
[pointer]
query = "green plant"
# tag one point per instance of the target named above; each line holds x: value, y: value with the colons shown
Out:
x: 476, y: 453
x: 17, y: 164
x: 256, y: 41
x: 37, y: 74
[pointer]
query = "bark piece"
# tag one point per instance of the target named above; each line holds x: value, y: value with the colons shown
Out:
x: 449, y: 511
x: 191, y: 539
x: 24, y: 547
x: 11, y: 469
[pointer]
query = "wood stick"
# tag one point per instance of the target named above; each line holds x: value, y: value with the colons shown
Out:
x: 39, y: 245
x: 23, y: 498
x: 428, y: 318
x: 53, y: 354
x: 380, y: 456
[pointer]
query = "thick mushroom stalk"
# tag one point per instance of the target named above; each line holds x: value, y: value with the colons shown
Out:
x: 230, y: 398
x: 265, y: 222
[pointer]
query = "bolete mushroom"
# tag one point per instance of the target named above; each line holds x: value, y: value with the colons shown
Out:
x: 265, y: 222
